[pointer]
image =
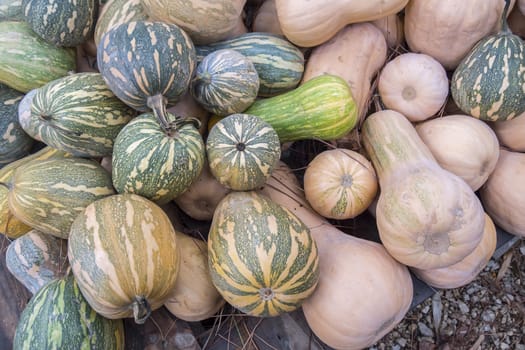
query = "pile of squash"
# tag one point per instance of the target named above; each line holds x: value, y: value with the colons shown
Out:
x: 119, y: 116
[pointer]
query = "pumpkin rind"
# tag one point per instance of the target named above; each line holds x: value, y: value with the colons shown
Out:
x: 11, y: 10
x: 262, y: 258
x: 116, y: 12
x: 242, y: 151
x: 124, y: 255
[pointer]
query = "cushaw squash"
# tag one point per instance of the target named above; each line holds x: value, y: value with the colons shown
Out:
x: 363, y: 293
x: 427, y: 217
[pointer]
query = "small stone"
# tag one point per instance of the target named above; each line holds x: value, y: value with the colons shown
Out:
x: 402, y: 342
x: 520, y: 347
x: 522, y: 250
x: 504, y: 346
x: 396, y: 347
x: 425, y: 330
x: 488, y: 316
x: 463, y: 307
x: 425, y: 309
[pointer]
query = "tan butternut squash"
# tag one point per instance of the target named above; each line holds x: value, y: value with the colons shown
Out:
x: 511, y: 133
x: 266, y: 20
x: 516, y: 21
x: 392, y: 28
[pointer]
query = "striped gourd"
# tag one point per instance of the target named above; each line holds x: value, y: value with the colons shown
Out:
x: 36, y: 259
x: 24, y: 110
x: 27, y: 61
x: 48, y: 194
x: 15, y: 143
x: 62, y: 23
x: 115, y: 12
x: 11, y: 10
x: 147, y: 64
x: 322, y: 108
x: 11, y: 226
x: 278, y: 62
x: 58, y: 317
x: 124, y: 254
x: 489, y: 82
x: 225, y: 82
x: 156, y: 164
x: 242, y: 151
x: 78, y: 114
x: 262, y: 258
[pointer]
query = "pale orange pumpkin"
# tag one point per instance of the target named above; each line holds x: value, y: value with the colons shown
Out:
x: 511, y: 133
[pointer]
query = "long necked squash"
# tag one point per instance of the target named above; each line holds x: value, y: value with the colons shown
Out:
x: 427, y: 217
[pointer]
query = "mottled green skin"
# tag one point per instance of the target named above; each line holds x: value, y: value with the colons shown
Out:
x: 64, y: 23
x: 242, y: 151
x: 278, y: 62
x: 78, y: 114
x: 116, y: 12
x: 225, y: 82
x: 154, y: 164
x: 141, y: 59
x: 27, y: 61
x: 11, y: 10
x: 48, y: 194
x: 58, y: 317
x: 262, y: 258
x: 15, y: 143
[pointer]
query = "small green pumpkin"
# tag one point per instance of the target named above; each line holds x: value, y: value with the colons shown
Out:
x: 11, y: 10
x: 115, y: 12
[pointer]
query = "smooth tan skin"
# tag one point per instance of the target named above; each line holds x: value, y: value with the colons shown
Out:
x: 266, y: 19
x: 392, y: 28
x: 510, y: 133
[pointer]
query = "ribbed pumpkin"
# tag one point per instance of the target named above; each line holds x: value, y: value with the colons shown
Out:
x: 262, y: 258
x: 115, y: 12
x: 488, y: 83
x: 147, y: 64
x: 225, y: 82
x: 154, y: 163
x: 242, y: 151
x: 58, y: 317
x: 48, y: 194
x: 11, y: 10
x: 78, y: 114
x: 124, y: 255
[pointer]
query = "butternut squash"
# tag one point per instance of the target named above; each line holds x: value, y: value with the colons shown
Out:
x: 392, y: 28
x: 266, y: 20
x: 510, y: 133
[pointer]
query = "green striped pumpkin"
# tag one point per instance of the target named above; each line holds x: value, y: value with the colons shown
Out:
x: 124, y: 255
x: 322, y: 108
x: 15, y: 143
x: 78, y: 114
x: 11, y: 10
x: 156, y: 164
x: 115, y: 12
x: 262, y: 258
x: 489, y: 83
x: 36, y: 259
x: 147, y: 65
x: 225, y: 82
x: 48, y: 194
x: 242, y: 151
x: 24, y: 111
x: 58, y: 317
x: 279, y: 64
x: 27, y: 61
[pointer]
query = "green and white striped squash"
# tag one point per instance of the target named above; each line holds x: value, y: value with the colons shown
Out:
x: 279, y: 63
x: 58, y: 317
x: 15, y: 143
x: 36, y: 258
x: 11, y: 10
x: 262, y: 258
x: 78, y: 114
x: 27, y: 61
x: 48, y: 194
x: 322, y: 108
x: 24, y: 111
x: 115, y: 12
x: 225, y: 82
x: 10, y: 225
x: 489, y: 83
x: 125, y: 257
x: 242, y: 151
x: 154, y: 163
x: 64, y: 23
x: 148, y: 65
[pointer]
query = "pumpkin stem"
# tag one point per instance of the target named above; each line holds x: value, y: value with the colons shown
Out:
x: 3, y: 184
x: 141, y: 309
x: 158, y: 103
x: 504, y: 26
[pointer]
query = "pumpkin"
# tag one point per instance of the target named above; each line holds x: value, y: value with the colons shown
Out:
x: 340, y: 183
x: 521, y: 6
x: 154, y: 163
x: 27, y: 61
x: 466, y: 270
x: 516, y: 20
x: 303, y: 29
x: 510, y: 133
x: 352, y: 306
x: 78, y: 114
x: 187, y: 107
x: 266, y: 20
x: 58, y: 317
x: 392, y: 28
x: 427, y: 217
x: 150, y: 67
x: 225, y: 82
x: 195, y: 298
x: 124, y: 255
x: 262, y: 258
x: 465, y: 146
x: 488, y: 83
x: 11, y: 10
x: 48, y: 194
x: 502, y: 194
x: 24, y: 110
x: 36, y: 259
x: 413, y: 84
x: 242, y: 151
